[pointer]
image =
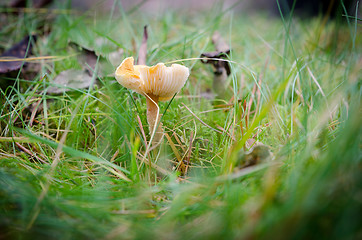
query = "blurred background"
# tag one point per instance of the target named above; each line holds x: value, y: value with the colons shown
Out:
x: 303, y: 8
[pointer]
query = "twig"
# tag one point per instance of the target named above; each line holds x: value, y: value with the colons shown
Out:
x: 178, y: 140
x: 114, y: 156
x: 29, y: 152
x: 227, y: 132
x: 173, y: 147
x: 32, y: 117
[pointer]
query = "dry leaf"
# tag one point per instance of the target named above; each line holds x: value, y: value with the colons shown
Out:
x: 33, y: 3
x: 19, y: 50
x: 88, y: 59
x: 70, y: 80
x: 115, y: 57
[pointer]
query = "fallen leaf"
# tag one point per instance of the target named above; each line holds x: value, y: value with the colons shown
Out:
x: 9, y: 60
x: 34, y: 3
x: 85, y: 42
x: 70, y: 80
x: 88, y: 59
x: 115, y: 57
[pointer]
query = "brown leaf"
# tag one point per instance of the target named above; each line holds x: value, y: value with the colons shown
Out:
x: 89, y: 59
x: 70, y: 80
x: 115, y: 57
x: 87, y: 56
x: 9, y: 60
x: 142, y: 53
x: 23, y: 3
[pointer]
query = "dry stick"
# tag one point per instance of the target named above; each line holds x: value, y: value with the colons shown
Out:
x: 173, y: 147
x: 227, y: 132
x: 29, y: 152
x: 36, y: 4
x: 180, y: 164
x: 34, y: 59
x: 178, y: 140
x: 14, y: 139
x: 114, y: 156
x: 32, y: 117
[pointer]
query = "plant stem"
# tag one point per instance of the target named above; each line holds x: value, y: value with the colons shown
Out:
x: 153, y: 118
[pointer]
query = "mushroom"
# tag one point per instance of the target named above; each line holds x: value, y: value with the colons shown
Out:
x: 157, y: 83
x: 222, y: 68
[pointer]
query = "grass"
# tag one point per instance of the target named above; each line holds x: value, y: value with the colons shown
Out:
x: 77, y: 168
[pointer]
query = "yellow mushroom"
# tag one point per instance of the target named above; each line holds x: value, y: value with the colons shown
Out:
x: 157, y: 83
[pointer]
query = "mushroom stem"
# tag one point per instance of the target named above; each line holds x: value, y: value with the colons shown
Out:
x: 153, y: 118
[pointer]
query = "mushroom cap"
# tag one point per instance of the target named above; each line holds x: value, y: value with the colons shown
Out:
x: 158, y: 80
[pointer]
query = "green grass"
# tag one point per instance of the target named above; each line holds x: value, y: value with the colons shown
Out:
x: 81, y: 170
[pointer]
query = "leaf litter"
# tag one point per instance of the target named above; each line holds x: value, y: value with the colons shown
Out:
x: 10, y: 60
x: 70, y: 80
